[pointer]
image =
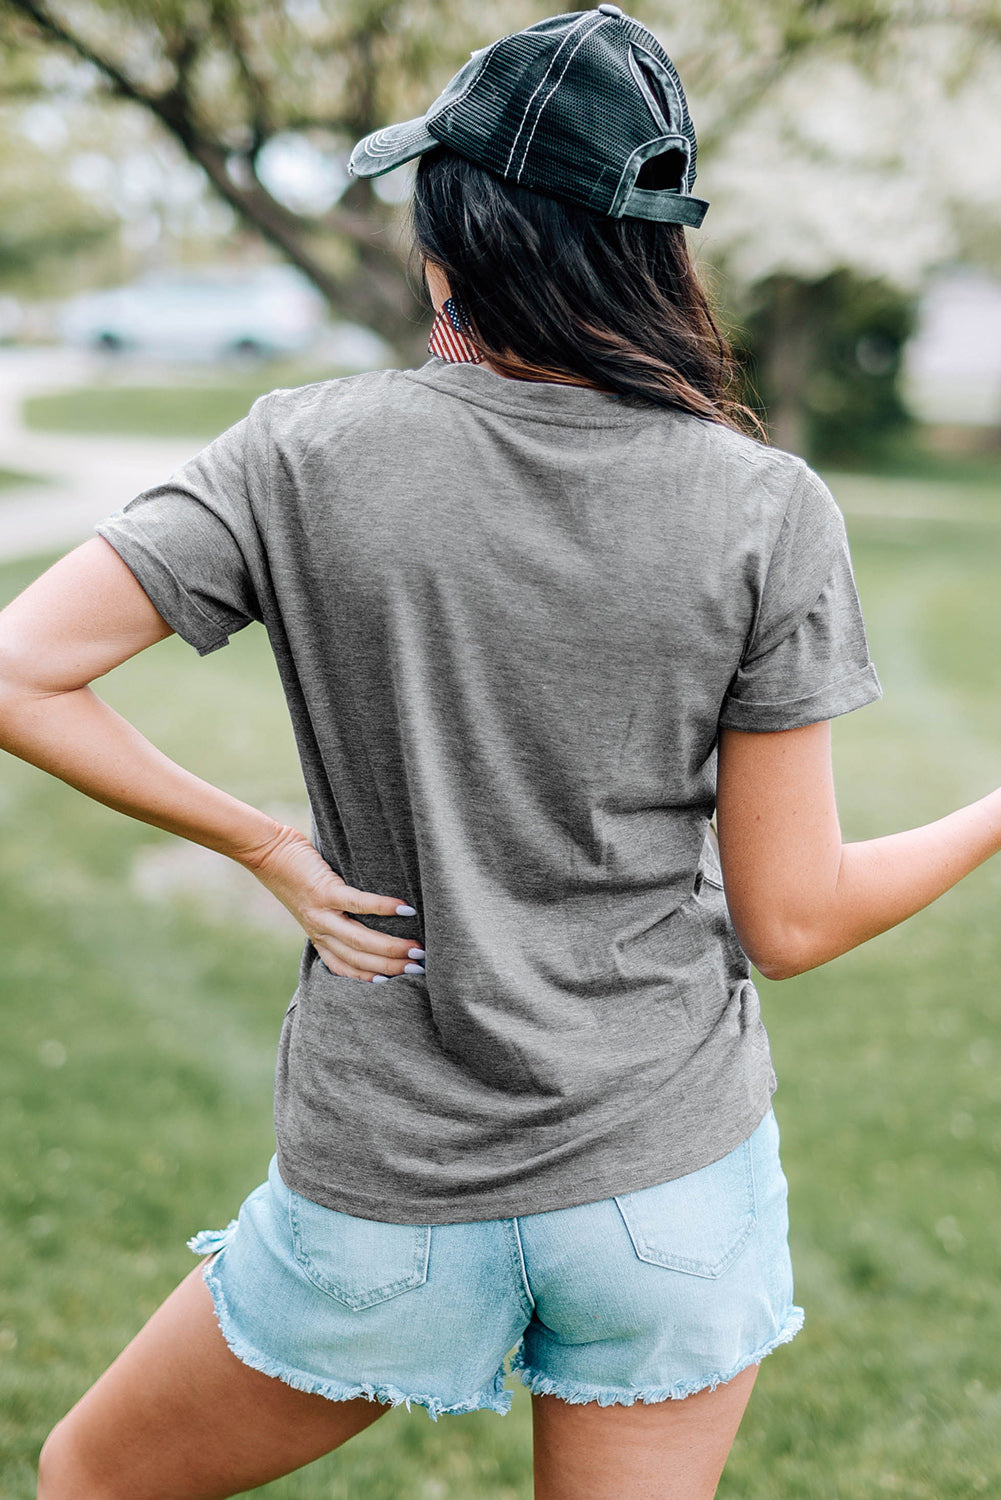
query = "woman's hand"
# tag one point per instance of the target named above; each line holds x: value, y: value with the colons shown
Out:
x: 294, y: 871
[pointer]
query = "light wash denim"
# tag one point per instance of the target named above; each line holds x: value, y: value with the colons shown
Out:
x: 646, y: 1296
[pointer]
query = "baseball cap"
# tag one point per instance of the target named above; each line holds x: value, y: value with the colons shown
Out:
x: 585, y: 106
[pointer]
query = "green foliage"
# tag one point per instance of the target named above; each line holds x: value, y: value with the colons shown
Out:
x: 137, y: 1039
x: 829, y: 351
x: 44, y: 224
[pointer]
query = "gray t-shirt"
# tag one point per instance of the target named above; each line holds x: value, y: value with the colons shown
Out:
x: 509, y: 620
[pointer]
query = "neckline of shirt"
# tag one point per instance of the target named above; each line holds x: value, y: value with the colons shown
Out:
x: 541, y: 401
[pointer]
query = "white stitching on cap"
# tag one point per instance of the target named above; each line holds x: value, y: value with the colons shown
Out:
x: 541, y: 84
x: 552, y: 91
x: 381, y: 143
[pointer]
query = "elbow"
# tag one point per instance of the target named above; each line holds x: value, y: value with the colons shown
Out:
x: 14, y: 674
x: 10, y: 696
x: 783, y: 953
x: 11, y: 704
x: 24, y: 675
x: 17, y: 699
x: 777, y: 966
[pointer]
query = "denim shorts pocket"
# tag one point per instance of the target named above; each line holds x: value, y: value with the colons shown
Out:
x: 360, y: 1262
x: 698, y: 1223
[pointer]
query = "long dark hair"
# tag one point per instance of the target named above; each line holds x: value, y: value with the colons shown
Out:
x: 556, y: 289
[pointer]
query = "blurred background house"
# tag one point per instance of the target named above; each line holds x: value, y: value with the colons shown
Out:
x: 952, y: 364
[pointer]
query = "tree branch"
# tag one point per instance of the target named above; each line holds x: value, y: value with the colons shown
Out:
x: 229, y: 26
x: 173, y: 108
x: 796, y: 43
x: 54, y: 29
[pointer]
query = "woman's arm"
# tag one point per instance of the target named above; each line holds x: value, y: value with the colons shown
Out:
x: 797, y: 895
x: 83, y: 617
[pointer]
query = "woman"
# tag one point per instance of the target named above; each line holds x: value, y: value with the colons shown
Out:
x: 520, y: 600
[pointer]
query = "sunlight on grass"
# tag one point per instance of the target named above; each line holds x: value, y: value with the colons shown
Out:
x: 139, y: 1033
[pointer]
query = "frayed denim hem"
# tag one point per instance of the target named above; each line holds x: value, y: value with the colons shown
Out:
x: 578, y: 1395
x: 213, y: 1241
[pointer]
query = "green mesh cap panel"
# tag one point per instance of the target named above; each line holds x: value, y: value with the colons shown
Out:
x: 485, y: 122
x: 577, y: 106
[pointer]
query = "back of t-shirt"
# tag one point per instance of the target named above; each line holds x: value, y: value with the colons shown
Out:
x: 510, y: 619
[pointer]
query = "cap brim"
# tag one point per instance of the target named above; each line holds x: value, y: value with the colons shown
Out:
x: 385, y: 149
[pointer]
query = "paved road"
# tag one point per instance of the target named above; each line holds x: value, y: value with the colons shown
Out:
x: 88, y: 476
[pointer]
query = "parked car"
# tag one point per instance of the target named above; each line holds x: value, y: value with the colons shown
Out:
x: 203, y: 314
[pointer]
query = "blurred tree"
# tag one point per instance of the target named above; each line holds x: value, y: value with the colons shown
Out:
x: 235, y: 84
x: 870, y: 161
x: 43, y: 226
x: 823, y: 358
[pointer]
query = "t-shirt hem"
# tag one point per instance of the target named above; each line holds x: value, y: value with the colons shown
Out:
x: 164, y: 589
x: 830, y: 702
x: 466, y: 1207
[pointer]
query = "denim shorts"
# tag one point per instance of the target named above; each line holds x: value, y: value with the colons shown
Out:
x: 641, y: 1297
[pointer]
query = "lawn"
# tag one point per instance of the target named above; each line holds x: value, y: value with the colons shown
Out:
x: 200, y: 405
x: 14, y: 479
x: 138, y: 1038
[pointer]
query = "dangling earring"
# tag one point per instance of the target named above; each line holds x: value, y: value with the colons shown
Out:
x: 449, y: 337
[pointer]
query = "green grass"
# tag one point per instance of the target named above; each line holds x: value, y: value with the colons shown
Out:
x: 955, y: 456
x: 198, y: 407
x: 14, y: 478
x: 138, y: 1040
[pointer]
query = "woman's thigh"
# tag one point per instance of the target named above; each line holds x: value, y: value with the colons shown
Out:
x: 179, y: 1417
x: 667, y: 1450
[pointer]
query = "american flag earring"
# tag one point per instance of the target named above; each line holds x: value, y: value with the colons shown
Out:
x: 449, y: 339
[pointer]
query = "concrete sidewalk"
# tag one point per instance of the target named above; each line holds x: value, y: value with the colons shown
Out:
x: 86, y: 477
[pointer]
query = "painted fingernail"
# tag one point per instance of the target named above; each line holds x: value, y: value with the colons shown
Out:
x: 380, y: 978
x: 413, y: 969
x: 416, y: 953
x: 406, y: 911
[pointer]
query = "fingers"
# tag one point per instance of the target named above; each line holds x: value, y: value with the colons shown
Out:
x: 368, y: 903
x: 358, y: 952
x: 361, y: 967
x: 355, y: 951
x: 365, y: 942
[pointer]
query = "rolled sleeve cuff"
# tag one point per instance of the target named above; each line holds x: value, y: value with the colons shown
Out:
x: 163, y: 588
x: 829, y: 702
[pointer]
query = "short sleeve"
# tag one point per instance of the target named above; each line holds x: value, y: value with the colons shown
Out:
x: 807, y: 657
x: 196, y: 543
